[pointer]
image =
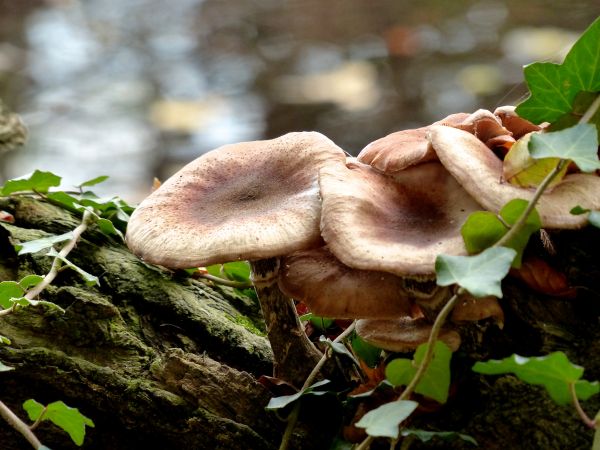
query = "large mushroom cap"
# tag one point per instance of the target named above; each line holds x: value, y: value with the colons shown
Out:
x: 400, y: 225
x: 402, y: 334
x: 249, y: 200
x: 332, y: 289
x: 479, y: 171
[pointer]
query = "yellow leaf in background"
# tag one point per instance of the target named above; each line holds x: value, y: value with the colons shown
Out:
x: 521, y: 169
x: 184, y: 116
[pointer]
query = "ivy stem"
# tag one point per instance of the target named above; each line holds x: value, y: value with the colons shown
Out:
x: 516, y: 228
x: 591, y: 111
x: 293, y: 417
x: 584, y: 417
x: 433, y: 335
x: 14, y: 421
x: 56, y: 264
x: 223, y: 281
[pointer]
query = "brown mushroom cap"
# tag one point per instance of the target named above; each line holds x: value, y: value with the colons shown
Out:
x: 249, y: 200
x: 400, y: 225
x: 479, y: 171
x: 472, y: 309
x: 332, y: 289
x: 403, y: 334
x: 398, y: 150
x: 402, y: 149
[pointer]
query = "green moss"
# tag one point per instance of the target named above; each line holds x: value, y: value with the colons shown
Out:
x: 247, y: 324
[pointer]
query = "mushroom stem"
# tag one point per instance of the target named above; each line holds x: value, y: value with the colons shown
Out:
x: 294, y: 354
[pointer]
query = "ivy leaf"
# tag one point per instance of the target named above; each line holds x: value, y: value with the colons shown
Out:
x: 24, y: 301
x: 284, y: 400
x: 385, y: 421
x: 554, y: 372
x: 8, y: 291
x: 67, y: 418
x: 578, y: 143
x: 5, y: 368
x: 480, y: 274
x: 339, y: 348
x: 482, y: 229
x: 89, y: 279
x: 520, y: 169
x: 365, y: 351
x: 554, y: 86
x: 37, y: 181
x: 30, y: 281
x: 593, y: 218
x: 42, y: 244
x: 436, y: 379
x: 93, y: 181
x: 4, y: 340
x: 426, y: 436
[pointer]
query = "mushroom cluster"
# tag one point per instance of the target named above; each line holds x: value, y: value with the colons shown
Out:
x: 350, y: 237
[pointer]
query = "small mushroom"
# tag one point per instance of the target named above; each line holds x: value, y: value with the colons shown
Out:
x: 332, y: 289
x: 472, y: 309
x: 518, y: 126
x: 248, y: 201
x: 402, y: 149
x: 373, y: 222
x: 402, y: 334
x: 479, y: 172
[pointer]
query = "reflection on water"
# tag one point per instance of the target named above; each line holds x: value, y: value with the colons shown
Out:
x: 133, y: 89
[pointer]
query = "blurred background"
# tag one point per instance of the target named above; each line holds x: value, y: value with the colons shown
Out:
x: 136, y: 88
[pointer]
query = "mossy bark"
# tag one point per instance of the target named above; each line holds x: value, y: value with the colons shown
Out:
x: 158, y: 360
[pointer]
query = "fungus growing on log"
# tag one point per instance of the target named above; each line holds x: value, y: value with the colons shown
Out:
x: 402, y: 334
x: 248, y: 201
x: 373, y: 222
x: 479, y: 172
x: 332, y: 289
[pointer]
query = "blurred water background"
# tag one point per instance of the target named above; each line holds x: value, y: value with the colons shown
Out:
x: 136, y: 88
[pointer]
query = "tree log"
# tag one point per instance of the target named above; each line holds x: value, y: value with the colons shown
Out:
x: 158, y: 360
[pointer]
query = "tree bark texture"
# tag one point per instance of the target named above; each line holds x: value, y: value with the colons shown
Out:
x: 158, y: 360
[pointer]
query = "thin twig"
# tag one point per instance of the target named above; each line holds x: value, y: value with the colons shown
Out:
x: 590, y: 111
x: 584, y: 417
x: 293, y: 417
x: 433, y: 335
x: 14, y: 421
x: 56, y: 264
x: 516, y: 228
x: 223, y: 281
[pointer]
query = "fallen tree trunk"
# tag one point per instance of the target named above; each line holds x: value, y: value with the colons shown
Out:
x: 158, y: 360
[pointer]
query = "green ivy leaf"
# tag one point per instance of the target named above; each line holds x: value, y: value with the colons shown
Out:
x: 578, y: 143
x: 365, y: 351
x: 67, y: 418
x: 37, y: 181
x: 483, y: 229
x: 554, y: 372
x: 5, y: 368
x: 436, y: 379
x: 30, y: 281
x: 593, y: 218
x: 554, y: 86
x: 8, y: 291
x: 480, y: 274
x: 4, y: 340
x: 285, y: 400
x: 385, y: 421
x: 42, y: 244
x: 93, y: 181
x: 89, y: 279
x: 339, y: 348
x: 426, y: 436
